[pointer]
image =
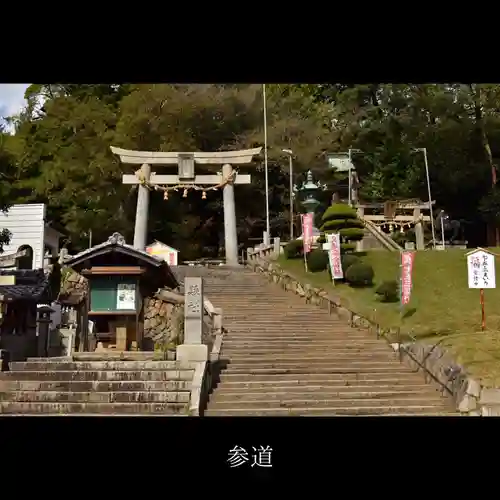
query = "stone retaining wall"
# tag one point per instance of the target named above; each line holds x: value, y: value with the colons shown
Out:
x: 470, y: 397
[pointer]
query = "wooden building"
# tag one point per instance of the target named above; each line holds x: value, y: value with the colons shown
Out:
x: 120, y: 278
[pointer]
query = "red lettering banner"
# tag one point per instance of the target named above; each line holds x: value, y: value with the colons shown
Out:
x: 407, y: 259
x: 307, y: 231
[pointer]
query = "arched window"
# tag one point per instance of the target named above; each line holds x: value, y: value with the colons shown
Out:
x: 25, y: 262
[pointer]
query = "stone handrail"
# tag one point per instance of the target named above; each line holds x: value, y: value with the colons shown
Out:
x: 470, y: 397
x: 264, y: 251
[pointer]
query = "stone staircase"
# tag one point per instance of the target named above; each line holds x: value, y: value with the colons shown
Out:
x: 285, y: 358
x: 88, y: 384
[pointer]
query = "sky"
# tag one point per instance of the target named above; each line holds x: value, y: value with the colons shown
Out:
x: 11, y: 98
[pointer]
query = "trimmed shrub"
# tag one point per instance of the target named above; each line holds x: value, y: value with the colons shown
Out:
x: 347, y: 247
x: 343, y: 219
x: 352, y: 234
x: 360, y: 275
x: 337, y: 224
x: 339, y: 211
x: 388, y: 291
x: 321, y: 239
x: 294, y: 249
x: 317, y: 260
x: 348, y: 260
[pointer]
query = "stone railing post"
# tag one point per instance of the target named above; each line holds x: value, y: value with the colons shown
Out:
x: 217, y: 320
x: 277, y: 247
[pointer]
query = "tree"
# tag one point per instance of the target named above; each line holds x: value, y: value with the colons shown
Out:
x: 7, y: 178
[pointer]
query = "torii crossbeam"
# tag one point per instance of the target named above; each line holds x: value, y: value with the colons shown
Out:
x: 187, y: 177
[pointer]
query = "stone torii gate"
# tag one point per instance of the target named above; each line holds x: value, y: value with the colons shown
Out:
x: 187, y: 179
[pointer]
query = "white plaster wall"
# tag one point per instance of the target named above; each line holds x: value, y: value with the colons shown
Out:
x: 27, y: 225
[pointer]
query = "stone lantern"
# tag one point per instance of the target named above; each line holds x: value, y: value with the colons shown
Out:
x: 307, y: 197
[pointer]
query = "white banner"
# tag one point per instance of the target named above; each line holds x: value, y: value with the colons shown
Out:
x: 334, y: 256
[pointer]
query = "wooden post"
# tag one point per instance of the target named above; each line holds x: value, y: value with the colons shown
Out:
x: 483, y: 316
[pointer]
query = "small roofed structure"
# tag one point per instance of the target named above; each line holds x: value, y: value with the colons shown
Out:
x: 120, y: 278
x: 21, y: 291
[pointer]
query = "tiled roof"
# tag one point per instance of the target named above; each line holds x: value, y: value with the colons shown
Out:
x: 116, y: 243
x: 31, y: 284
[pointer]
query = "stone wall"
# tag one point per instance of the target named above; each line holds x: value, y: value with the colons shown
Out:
x: 471, y: 398
x: 164, y: 321
x: 437, y: 366
x: 73, y: 283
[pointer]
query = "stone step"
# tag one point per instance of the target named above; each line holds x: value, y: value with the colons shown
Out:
x: 301, y: 344
x: 420, y: 410
x: 381, y: 384
x: 259, y: 332
x: 335, y: 377
x: 101, y: 365
x: 93, y: 408
x: 71, y: 386
x: 105, y: 375
x: 95, y: 397
x: 281, y: 337
x: 322, y: 394
x: 313, y: 366
x: 119, y: 355
x: 254, y: 371
x: 301, y: 402
x: 257, y: 351
x: 105, y: 356
x: 310, y: 358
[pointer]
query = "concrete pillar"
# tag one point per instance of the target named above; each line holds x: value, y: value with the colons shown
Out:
x: 142, y: 212
x: 230, y: 234
x: 419, y: 236
x: 265, y: 238
x: 419, y: 230
x: 277, y: 247
x: 360, y: 246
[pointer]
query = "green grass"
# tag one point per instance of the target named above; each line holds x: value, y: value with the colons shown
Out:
x: 443, y: 309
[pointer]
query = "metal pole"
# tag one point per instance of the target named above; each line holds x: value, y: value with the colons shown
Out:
x: 442, y: 232
x: 268, y: 225
x: 350, y: 179
x: 430, y: 197
x: 291, y: 197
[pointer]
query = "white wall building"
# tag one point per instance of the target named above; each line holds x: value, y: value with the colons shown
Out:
x: 30, y: 231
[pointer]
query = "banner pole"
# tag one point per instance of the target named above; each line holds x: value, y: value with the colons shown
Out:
x: 304, y: 242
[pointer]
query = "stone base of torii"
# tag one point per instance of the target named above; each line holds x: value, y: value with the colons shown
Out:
x: 186, y: 179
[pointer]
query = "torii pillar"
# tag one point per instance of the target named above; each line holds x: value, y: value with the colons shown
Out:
x: 186, y: 176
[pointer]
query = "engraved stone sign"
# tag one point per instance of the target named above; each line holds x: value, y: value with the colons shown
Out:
x: 193, y: 310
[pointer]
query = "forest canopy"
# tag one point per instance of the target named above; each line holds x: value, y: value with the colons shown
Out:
x: 59, y: 151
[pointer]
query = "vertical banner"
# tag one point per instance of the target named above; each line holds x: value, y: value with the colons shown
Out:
x: 307, y: 231
x: 334, y: 256
x: 407, y: 259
